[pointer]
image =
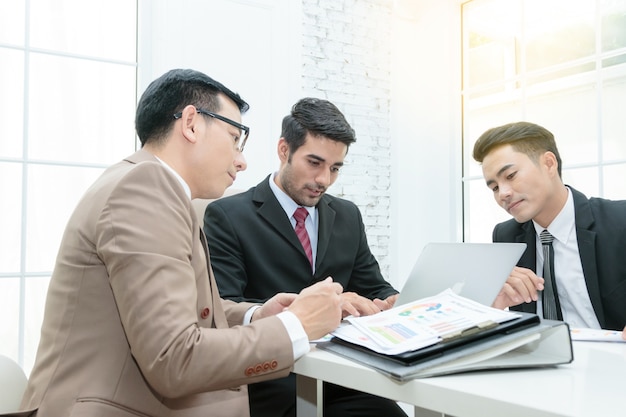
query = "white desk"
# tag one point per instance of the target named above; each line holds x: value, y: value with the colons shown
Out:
x: 592, y: 385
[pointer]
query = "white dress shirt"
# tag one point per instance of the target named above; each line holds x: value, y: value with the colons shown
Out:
x: 311, y: 222
x: 568, y: 271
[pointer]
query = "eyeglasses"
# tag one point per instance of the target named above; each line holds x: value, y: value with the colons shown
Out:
x: 244, y: 131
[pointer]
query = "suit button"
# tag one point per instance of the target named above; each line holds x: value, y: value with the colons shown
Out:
x: 205, y: 312
x: 258, y: 369
x: 266, y: 366
x: 274, y: 364
x: 249, y: 371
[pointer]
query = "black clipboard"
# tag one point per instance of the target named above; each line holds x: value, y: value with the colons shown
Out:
x: 469, y: 338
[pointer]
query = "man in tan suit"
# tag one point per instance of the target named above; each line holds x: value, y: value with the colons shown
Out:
x: 133, y: 324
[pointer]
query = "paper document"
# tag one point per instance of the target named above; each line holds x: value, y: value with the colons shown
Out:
x: 421, y: 323
x: 596, y: 335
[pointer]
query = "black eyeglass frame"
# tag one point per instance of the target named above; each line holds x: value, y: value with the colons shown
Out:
x: 245, y: 129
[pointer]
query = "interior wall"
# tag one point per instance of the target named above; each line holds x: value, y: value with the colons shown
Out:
x: 346, y: 50
x: 252, y: 47
x: 425, y: 127
x: 424, y: 167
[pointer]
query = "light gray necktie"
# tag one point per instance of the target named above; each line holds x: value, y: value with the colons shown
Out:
x: 551, y: 305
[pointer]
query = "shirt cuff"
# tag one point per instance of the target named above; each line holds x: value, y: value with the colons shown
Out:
x: 247, y: 318
x: 299, y: 338
x: 297, y: 335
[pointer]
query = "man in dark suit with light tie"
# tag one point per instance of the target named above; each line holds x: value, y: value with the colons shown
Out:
x: 522, y: 166
x: 255, y: 250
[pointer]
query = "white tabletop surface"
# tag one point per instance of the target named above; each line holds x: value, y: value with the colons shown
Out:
x: 594, y: 384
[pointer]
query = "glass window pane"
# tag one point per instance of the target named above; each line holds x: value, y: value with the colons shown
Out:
x: 10, y: 313
x: 613, y: 24
x: 103, y: 29
x: 490, y: 44
x: 81, y: 110
x: 614, y: 60
x: 73, y: 105
x: 12, y: 22
x: 11, y: 102
x: 482, y: 212
x: 614, y: 120
x: 11, y: 218
x: 482, y: 119
x: 571, y: 116
x: 36, y: 289
x: 614, y: 184
x: 558, y: 31
x: 57, y: 189
x: 560, y: 73
x: 585, y: 180
x: 561, y: 41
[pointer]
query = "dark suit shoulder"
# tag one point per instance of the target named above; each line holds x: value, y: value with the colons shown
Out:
x: 235, y: 200
x: 603, y: 206
x: 338, y: 203
x: 598, y: 213
x: 507, y: 230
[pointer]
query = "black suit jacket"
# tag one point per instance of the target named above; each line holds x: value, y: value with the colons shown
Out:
x: 255, y: 252
x: 601, y: 234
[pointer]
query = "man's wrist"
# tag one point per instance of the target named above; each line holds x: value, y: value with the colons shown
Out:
x: 249, y: 316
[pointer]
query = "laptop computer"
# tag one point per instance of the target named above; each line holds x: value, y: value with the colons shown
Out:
x: 473, y: 270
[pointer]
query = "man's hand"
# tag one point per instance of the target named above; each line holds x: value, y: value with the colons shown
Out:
x: 274, y: 305
x: 520, y: 287
x: 318, y: 308
x: 387, y: 303
x: 356, y: 305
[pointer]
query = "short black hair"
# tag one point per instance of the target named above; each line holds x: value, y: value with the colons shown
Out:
x: 525, y: 137
x: 318, y: 117
x: 170, y: 93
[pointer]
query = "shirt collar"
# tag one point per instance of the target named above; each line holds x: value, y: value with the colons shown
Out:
x: 564, y: 223
x: 287, y: 202
x: 178, y: 177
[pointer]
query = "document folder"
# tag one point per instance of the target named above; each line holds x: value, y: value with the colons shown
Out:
x: 521, y: 343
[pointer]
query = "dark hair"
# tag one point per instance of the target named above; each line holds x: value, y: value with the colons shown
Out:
x: 170, y: 93
x: 524, y: 137
x: 318, y: 117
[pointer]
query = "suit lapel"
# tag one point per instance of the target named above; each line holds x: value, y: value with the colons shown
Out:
x: 529, y: 257
x: 326, y: 222
x: 272, y: 212
x: 528, y: 260
x: 587, y: 250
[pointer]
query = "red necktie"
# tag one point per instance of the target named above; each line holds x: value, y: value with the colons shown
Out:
x: 300, y: 216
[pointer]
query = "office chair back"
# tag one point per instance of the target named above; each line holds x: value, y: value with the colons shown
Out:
x: 12, y: 384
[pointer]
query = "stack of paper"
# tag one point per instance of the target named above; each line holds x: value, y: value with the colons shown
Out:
x: 421, y: 323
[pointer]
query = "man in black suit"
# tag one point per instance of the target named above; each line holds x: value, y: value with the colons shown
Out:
x: 522, y: 166
x: 255, y: 250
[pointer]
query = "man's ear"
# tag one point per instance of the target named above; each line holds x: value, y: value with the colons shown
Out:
x: 283, y: 150
x: 549, y: 159
x: 189, y: 121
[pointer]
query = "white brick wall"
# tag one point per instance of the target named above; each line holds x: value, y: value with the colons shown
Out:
x: 347, y: 61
